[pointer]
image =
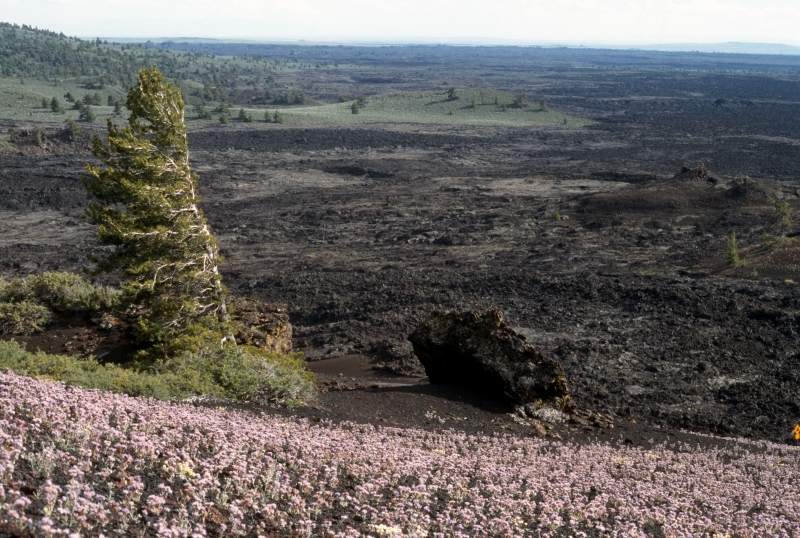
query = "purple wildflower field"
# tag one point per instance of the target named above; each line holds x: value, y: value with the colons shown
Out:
x: 77, y: 462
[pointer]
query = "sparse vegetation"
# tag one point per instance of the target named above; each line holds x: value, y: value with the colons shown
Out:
x: 87, y: 114
x: 733, y: 251
x: 354, y: 108
x: 409, y: 108
x: 543, y: 105
x: 521, y: 101
x: 780, y: 223
x: 245, y: 116
x: 452, y: 94
x: 55, y: 106
x: 72, y: 129
x: 202, y: 112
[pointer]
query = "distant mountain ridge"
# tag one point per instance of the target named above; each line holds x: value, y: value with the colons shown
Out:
x: 726, y: 48
x: 733, y: 47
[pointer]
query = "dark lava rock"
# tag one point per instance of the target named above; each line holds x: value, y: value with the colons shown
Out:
x: 262, y: 324
x: 701, y: 174
x: 480, y: 352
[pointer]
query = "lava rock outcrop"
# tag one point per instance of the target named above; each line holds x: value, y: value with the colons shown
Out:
x: 480, y: 352
x: 261, y: 324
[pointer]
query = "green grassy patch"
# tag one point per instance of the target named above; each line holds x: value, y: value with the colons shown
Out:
x: 20, y: 101
x: 473, y: 107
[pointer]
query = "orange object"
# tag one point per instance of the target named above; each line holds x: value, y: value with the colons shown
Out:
x: 797, y: 432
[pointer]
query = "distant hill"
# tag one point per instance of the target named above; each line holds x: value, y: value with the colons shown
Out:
x: 41, y: 54
x: 727, y: 48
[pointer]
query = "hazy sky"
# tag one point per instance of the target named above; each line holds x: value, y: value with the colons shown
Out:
x: 530, y: 21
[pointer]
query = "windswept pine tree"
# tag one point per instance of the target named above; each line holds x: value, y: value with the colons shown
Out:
x: 146, y: 205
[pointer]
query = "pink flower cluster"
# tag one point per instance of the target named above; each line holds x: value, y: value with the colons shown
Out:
x: 80, y: 462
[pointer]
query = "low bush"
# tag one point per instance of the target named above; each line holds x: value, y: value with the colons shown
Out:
x: 62, y: 292
x: 68, y: 292
x: 23, y: 318
x: 239, y: 373
x: 26, y: 303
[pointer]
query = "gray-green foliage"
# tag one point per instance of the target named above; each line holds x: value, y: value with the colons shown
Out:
x: 26, y: 302
x: 62, y: 292
x: 146, y: 204
x: 23, y: 318
x: 244, y: 374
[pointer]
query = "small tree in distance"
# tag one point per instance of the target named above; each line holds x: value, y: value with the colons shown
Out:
x: 146, y: 205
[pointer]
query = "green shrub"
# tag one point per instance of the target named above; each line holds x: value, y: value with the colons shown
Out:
x: 242, y: 373
x: 521, y: 101
x: 55, y: 105
x: 87, y: 114
x: 68, y: 292
x: 63, y: 292
x: 244, y: 116
x: 72, y: 129
x: 202, y: 112
x: 733, y: 251
x: 23, y: 318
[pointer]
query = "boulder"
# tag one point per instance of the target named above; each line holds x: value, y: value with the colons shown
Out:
x: 480, y: 352
x: 700, y: 174
x: 260, y: 324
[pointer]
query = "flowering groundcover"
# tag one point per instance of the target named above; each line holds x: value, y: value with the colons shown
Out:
x: 77, y: 462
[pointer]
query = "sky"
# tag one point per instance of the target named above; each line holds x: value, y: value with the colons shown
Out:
x: 573, y: 22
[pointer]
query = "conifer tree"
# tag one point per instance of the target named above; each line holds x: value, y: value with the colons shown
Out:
x: 146, y: 205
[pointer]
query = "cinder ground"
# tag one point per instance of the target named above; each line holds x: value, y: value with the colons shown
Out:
x: 581, y: 235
